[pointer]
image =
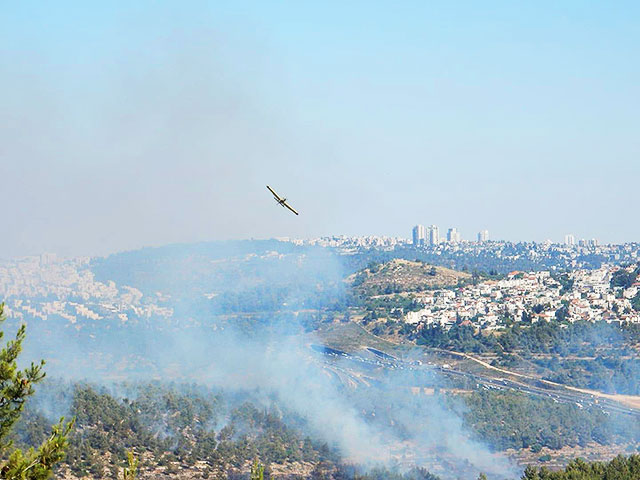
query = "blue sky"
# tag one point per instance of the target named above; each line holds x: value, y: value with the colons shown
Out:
x: 125, y: 125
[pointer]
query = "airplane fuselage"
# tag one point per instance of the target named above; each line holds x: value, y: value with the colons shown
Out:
x: 282, y: 201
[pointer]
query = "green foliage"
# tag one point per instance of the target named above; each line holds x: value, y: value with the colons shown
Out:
x: 611, y: 374
x: 175, y: 427
x: 513, y: 420
x: 620, y: 468
x: 394, y: 306
x: 38, y: 464
x: 257, y: 471
x: 565, y: 280
x: 614, y: 366
x: 130, y: 471
x: 462, y: 338
x: 350, y: 472
x: 635, y: 302
x: 15, y: 387
x: 623, y: 278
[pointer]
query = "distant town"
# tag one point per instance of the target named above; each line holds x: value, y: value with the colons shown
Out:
x: 426, y: 236
x: 588, y: 295
x: 486, y: 254
x: 48, y: 287
x: 523, y: 280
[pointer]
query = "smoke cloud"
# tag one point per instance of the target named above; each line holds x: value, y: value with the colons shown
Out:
x: 370, y: 413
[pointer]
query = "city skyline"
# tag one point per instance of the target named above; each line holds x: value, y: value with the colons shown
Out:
x: 429, y: 235
x: 452, y: 238
x: 420, y: 235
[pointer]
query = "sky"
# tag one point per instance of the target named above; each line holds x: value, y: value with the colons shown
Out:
x: 131, y: 124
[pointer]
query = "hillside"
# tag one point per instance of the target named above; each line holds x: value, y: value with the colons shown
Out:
x: 401, y: 275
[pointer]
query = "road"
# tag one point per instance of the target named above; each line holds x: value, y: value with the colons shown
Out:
x: 350, y: 375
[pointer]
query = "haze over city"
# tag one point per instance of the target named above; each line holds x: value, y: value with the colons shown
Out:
x: 127, y: 125
x: 331, y: 240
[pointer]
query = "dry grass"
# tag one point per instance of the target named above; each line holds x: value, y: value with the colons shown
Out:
x: 406, y: 276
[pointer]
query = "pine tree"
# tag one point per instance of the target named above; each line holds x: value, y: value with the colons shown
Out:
x: 15, y: 387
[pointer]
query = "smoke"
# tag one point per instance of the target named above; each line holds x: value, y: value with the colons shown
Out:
x: 367, y: 411
x: 369, y: 426
x: 283, y: 367
x: 110, y: 143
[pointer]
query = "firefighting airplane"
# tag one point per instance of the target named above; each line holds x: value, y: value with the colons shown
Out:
x: 281, y: 201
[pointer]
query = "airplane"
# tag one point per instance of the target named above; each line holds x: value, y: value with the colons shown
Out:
x: 281, y: 201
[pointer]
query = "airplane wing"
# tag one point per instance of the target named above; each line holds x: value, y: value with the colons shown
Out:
x: 290, y: 208
x: 274, y: 193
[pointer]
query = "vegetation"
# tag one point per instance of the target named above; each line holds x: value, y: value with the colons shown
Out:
x: 612, y: 374
x: 399, y: 275
x: 579, y: 338
x: 257, y: 471
x: 384, y: 474
x: 635, y: 302
x: 620, y: 468
x: 625, y: 277
x: 606, y: 351
x: 129, y: 472
x: 173, y: 427
x: 514, y: 420
x: 15, y: 387
x: 498, y: 258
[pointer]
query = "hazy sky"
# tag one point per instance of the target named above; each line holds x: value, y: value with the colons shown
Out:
x: 125, y: 124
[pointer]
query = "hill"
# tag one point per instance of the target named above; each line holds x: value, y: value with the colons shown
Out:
x: 400, y: 275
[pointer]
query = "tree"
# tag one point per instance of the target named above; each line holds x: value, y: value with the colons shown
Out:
x: 130, y: 471
x: 257, y: 471
x: 15, y: 387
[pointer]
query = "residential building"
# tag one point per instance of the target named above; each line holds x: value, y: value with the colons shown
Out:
x: 434, y: 235
x: 453, y: 236
x: 419, y: 235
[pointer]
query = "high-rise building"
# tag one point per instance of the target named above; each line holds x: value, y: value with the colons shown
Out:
x: 569, y: 240
x: 483, y: 236
x: 593, y: 242
x: 453, y: 236
x: 47, y: 258
x: 419, y: 235
x: 434, y: 235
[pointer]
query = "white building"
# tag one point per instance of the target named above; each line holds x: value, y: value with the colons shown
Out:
x: 453, y: 236
x: 419, y: 235
x: 483, y: 236
x: 434, y: 235
x: 569, y: 240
